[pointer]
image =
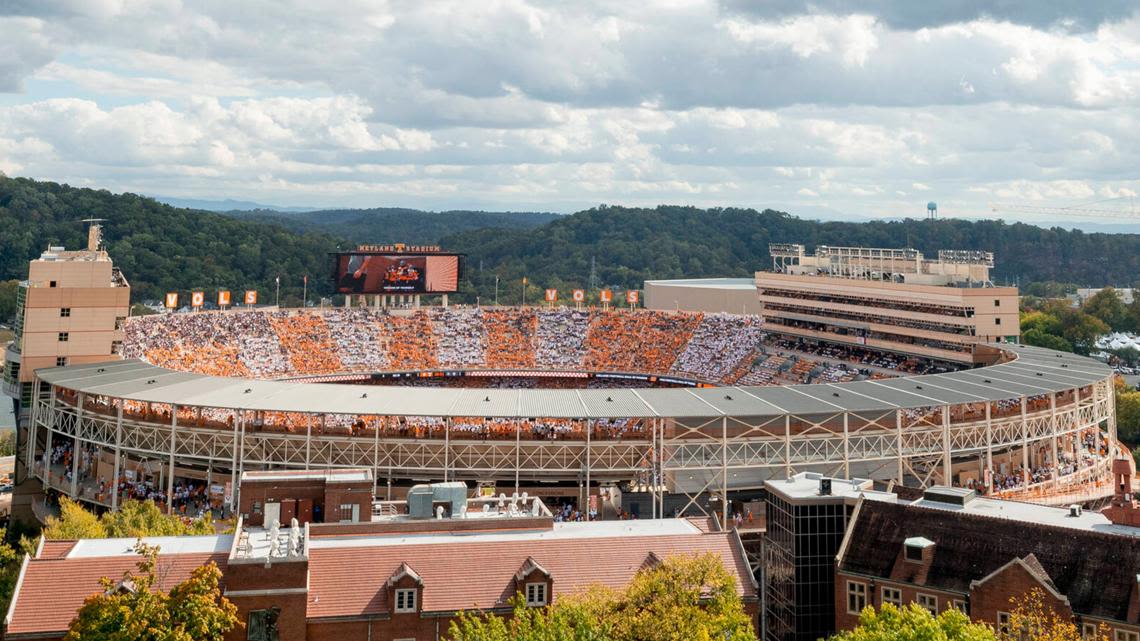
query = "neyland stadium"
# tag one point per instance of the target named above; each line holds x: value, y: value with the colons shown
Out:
x: 682, y: 411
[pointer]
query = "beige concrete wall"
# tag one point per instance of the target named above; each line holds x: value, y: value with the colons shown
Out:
x: 992, y: 312
x: 695, y: 298
x: 84, y: 287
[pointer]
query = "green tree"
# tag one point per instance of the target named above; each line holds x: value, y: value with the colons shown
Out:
x: 10, y: 560
x: 1107, y: 306
x: 73, y: 522
x: 914, y: 623
x: 135, y: 608
x: 1032, y: 619
x: 684, y: 597
x: 7, y: 442
x: 8, y: 299
x: 145, y: 518
x: 1128, y: 415
x: 133, y: 519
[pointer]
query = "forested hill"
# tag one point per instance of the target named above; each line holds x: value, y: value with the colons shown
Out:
x: 161, y: 248
x: 158, y: 247
x: 631, y: 245
x: 390, y: 224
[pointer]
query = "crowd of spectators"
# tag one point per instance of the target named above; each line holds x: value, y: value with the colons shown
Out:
x: 717, y: 346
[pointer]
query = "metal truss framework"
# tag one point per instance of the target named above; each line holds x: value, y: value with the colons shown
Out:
x: 919, y: 445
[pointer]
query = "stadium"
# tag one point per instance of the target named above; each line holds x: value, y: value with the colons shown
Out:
x: 683, y: 412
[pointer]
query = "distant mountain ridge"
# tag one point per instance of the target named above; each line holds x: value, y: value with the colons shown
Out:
x: 227, y: 204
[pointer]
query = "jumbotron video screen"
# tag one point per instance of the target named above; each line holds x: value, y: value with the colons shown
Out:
x: 360, y: 273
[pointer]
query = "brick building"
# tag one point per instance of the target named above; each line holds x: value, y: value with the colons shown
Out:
x: 954, y: 549
x: 397, y: 577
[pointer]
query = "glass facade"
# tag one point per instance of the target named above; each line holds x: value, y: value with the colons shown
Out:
x: 802, y: 541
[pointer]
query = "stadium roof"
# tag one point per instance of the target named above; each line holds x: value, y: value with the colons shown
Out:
x: 1034, y: 371
x: 716, y: 283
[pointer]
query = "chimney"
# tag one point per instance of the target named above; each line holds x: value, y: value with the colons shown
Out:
x: 1122, y: 482
x: 1124, y: 509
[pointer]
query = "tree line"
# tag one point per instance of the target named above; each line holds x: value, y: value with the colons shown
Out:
x: 162, y: 248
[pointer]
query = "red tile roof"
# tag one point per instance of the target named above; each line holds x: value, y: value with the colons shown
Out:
x: 350, y: 581
x: 55, y: 549
x: 54, y: 589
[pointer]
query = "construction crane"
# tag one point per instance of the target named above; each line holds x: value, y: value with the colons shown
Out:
x: 1080, y: 211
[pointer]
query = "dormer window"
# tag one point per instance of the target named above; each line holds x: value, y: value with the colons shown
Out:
x: 405, y: 601
x: 536, y: 594
x: 915, y: 547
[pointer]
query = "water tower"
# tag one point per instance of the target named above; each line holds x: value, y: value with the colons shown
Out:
x: 932, y: 210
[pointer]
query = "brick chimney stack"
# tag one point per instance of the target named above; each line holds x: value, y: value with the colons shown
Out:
x: 1124, y: 509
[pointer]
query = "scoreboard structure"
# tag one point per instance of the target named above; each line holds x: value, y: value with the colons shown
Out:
x: 397, y: 269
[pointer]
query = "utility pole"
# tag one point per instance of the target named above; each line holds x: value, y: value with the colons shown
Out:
x: 496, y: 290
x: 593, y: 273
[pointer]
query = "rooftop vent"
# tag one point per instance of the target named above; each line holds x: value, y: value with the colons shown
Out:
x: 948, y: 495
x: 1074, y: 510
x: 825, y: 487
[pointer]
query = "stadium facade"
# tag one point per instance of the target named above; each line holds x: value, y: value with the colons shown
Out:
x: 696, y: 443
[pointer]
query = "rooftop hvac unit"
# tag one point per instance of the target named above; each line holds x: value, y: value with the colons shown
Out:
x: 419, y: 501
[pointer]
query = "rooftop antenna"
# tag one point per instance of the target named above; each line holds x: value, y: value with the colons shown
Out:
x: 94, y: 233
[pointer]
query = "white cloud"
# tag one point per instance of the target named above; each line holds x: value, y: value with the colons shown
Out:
x: 517, y: 103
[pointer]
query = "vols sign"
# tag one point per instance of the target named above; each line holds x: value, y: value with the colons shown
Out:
x: 551, y: 295
x: 172, y: 300
x: 223, y: 298
x: 250, y: 297
x: 579, y: 295
x: 631, y: 297
x: 197, y: 299
x: 607, y: 296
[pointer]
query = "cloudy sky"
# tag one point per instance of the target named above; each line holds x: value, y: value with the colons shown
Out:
x: 864, y: 107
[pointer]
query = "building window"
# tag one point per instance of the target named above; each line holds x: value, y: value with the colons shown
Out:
x: 65, y: 312
x: 120, y: 321
x: 1088, y: 631
x: 997, y: 321
x: 928, y: 601
x: 913, y: 553
x: 892, y: 596
x: 51, y: 283
x: 856, y: 597
x: 63, y: 336
x: 116, y: 347
x: 997, y: 302
x: 349, y: 513
x: 262, y: 625
x: 405, y: 601
x: 1126, y: 635
x: 535, y: 594
x: 1003, y: 622
x: 959, y: 605
x: 61, y: 361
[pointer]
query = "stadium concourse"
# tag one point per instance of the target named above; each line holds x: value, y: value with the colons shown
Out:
x: 202, y: 397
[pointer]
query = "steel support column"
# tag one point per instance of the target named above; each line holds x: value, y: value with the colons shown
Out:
x: 118, y: 456
x: 170, y: 476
